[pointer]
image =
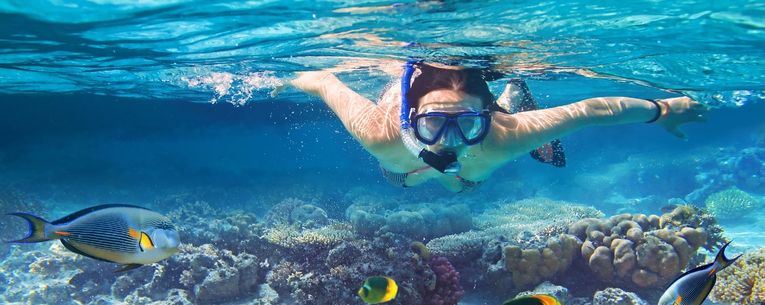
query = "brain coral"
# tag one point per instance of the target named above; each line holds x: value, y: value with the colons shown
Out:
x: 731, y: 203
x: 743, y: 282
x: 532, y: 266
x: 641, y: 250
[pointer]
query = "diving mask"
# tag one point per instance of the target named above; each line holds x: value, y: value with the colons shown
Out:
x: 471, y: 126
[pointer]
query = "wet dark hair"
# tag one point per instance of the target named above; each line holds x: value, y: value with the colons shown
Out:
x: 469, y: 81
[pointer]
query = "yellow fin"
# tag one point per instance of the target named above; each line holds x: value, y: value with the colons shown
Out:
x: 146, y: 243
x: 390, y: 291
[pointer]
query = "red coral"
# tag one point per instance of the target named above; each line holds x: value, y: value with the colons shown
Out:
x: 448, y: 290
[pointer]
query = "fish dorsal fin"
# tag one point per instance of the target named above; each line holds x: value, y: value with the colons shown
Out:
x: 691, y: 271
x: 74, y: 249
x: 525, y: 300
x: 89, y: 210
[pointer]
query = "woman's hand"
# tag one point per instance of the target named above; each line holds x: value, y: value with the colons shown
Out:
x: 678, y: 111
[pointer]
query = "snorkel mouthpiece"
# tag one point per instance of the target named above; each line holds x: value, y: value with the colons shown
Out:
x: 445, y: 162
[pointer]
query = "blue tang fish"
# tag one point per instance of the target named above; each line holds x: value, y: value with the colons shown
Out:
x: 692, y: 287
x: 123, y: 234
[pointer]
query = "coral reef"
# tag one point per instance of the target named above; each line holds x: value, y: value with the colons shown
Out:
x: 636, y: 249
x: 494, y: 254
x: 532, y: 266
x: 416, y: 221
x: 528, y: 222
x: 743, y: 282
x: 447, y: 290
x: 334, y: 280
x: 685, y: 217
x: 199, y: 223
x: 296, y: 212
x: 616, y: 296
x: 306, y: 240
x: 731, y: 204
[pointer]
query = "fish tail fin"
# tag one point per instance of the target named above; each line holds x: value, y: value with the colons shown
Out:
x: 37, y: 228
x: 723, y: 261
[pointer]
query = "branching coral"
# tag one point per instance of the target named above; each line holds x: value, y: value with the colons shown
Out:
x: 293, y: 238
x: 535, y: 212
x: 743, y: 282
x: 731, y: 204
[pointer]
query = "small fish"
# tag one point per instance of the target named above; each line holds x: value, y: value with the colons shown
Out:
x: 692, y: 287
x: 378, y: 289
x: 123, y: 234
x: 535, y: 299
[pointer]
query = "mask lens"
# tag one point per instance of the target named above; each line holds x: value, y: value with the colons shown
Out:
x: 471, y: 126
x: 428, y: 126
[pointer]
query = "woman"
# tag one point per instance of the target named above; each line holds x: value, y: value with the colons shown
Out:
x: 447, y: 126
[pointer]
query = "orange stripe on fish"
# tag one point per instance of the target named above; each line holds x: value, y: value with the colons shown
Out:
x: 712, y: 271
x: 62, y: 233
x: 546, y: 299
x: 678, y: 300
x: 133, y: 233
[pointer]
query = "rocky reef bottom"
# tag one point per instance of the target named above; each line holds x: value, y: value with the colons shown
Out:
x: 439, y: 254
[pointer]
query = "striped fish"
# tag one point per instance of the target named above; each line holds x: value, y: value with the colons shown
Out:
x: 124, y: 234
x: 692, y: 287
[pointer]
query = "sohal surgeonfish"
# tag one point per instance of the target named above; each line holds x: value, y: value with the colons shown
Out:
x: 378, y: 289
x: 534, y: 299
x: 122, y: 234
x: 692, y: 287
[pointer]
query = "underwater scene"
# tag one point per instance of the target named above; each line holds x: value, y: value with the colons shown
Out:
x: 168, y: 152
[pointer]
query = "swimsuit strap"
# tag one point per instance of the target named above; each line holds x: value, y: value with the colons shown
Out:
x: 399, y: 179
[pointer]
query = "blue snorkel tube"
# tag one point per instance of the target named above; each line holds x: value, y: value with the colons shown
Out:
x: 445, y: 162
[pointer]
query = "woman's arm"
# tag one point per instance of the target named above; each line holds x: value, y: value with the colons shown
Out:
x: 363, y: 119
x: 527, y: 130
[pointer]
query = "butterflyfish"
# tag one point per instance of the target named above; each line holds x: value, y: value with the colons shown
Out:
x: 124, y: 234
x: 378, y: 289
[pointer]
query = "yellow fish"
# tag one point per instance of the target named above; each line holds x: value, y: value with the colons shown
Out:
x: 124, y: 234
x: 536, y: 299
x: 378, y: 289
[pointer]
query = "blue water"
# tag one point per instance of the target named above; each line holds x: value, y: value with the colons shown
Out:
x: 139, y: 101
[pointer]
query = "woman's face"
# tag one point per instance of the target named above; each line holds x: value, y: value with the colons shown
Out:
x: 448, y: 101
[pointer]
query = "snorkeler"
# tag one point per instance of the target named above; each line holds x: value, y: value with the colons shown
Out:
x: 443, y: 123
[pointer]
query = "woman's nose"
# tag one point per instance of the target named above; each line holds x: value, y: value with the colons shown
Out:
x: 450, y: 138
